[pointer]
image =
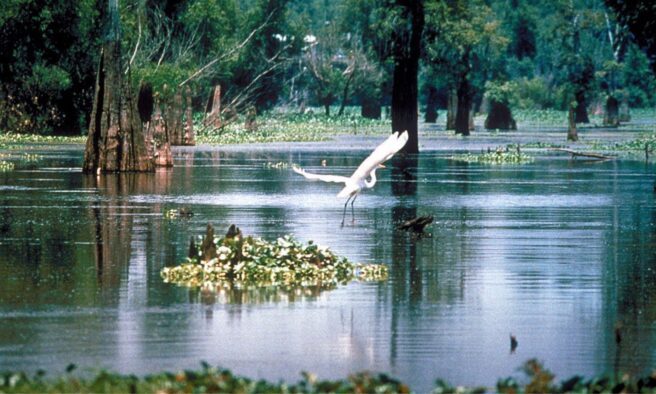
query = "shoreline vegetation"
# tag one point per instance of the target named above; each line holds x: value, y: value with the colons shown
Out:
x: 208, y: 379
x: 313, y: 126
x: 536, y: 131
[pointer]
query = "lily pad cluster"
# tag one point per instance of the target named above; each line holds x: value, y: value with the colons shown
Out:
x: 176, y: 213
x: 237, y: 261
x: 499, y: 156
x: 6, y: 166
x: 278, y: 166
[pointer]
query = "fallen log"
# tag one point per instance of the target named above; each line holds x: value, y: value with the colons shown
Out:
x: 574, y: 154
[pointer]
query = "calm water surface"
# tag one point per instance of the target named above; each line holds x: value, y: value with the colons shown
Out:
x: 556, y: 252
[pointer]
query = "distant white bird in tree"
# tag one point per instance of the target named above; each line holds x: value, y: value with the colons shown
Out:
x: 365, y: 175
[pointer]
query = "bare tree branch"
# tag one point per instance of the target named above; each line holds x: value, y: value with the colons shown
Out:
x: 136, y: 46
x: 245, y: 93
x: 229, y: 53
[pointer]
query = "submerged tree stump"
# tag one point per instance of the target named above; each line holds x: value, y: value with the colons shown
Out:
x: 213, y: 117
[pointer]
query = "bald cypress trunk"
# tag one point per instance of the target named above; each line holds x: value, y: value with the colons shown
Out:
x: 464, y: 107
x: 115, y: 140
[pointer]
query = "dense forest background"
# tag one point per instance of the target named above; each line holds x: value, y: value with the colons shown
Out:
x: 294, y: 54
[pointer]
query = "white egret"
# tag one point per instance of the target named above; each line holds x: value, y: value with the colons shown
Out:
x: 358, y: 181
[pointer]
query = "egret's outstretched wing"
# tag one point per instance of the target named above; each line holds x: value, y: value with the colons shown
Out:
x: 382, y: 153
x: 319, y: 177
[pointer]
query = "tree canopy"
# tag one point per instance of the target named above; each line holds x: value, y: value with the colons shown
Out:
x: 296, y: 54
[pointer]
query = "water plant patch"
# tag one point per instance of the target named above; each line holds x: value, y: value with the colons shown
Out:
x: 235, y: 260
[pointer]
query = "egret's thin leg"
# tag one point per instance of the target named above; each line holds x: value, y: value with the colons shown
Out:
x: 353, y: 209
x: 344, y: 213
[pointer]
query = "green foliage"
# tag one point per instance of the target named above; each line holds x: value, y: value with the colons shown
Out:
x: 284, y: 127
x: 534, y: 55
x: 501, y: 92
x: 461, y: 33
x: 48, y: 65
x: 531, y: 93
x: 215, y: 21
x: 210, y: 379
x: 637, y: 79
x: 163, y: 79
x: 51, y: 79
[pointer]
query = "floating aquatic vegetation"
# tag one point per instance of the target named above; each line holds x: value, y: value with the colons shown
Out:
x: 643, y: 145
x: 289, y: 126
x: 31, y: 157
x: 235, y: 261
x: 281, y: 165
x: 536, y: 145
x: 178, y: 213
x: 7, y: 139
x: 498, y: 156
x: 6, y: 166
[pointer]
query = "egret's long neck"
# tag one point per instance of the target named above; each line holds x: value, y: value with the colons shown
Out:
x: 369, y: 184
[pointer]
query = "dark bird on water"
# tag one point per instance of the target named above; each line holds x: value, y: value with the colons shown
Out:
x: 416, y: 225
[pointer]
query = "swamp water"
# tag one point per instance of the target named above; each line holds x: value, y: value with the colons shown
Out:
x: 556, y: 252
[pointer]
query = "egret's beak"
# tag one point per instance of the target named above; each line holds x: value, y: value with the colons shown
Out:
x: 381, y: 166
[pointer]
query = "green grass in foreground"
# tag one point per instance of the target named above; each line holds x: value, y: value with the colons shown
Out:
x: 215, y: 380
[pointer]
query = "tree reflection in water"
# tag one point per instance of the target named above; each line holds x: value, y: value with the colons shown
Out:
x: 113, y: 221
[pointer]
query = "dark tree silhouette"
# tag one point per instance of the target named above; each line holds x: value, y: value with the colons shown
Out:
x: 638, y: 17
x: 406, y: 41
